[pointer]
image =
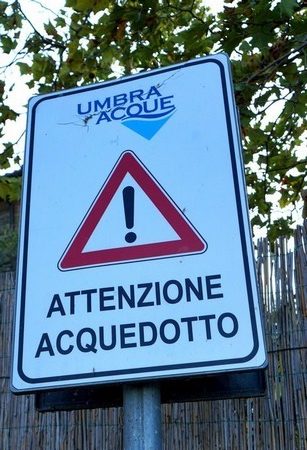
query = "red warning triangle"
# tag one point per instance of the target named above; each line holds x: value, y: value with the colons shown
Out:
x: 189, y: 242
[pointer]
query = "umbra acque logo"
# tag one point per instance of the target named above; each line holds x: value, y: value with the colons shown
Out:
x: 144, y: 112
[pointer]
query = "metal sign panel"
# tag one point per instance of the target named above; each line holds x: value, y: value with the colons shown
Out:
x: 135, y: 259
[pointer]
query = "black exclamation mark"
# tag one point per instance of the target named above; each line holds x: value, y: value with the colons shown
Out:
x: 128, y: 198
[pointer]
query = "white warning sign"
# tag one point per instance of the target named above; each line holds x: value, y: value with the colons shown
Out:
x: 135, y: 258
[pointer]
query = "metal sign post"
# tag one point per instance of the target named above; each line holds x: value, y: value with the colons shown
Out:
x: 142, y: 417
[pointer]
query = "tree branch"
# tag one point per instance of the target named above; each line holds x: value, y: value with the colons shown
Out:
x: 186, y: 10
x: 277, y: 62
x: 291, y: 166
x: 45, y: 7
x: 19, y: 55
x: 44, y: 39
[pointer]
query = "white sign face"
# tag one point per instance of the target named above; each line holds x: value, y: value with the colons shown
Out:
x: 135, y: 259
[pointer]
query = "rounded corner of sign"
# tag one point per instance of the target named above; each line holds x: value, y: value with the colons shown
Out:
x: 261, y: 364
x: 222, y: 60
x: 18, y: 381
x: 224, y: 57
x: 265, y: 363
x: 34, y: 101
x: 15, y: 390
x: 258, y: 355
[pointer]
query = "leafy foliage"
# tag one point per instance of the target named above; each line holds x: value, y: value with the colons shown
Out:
x: 265, y: 39
x: 8, y: 248
x: 10, y: 187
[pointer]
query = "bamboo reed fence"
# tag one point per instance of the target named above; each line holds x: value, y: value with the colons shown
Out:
x: 277, y: 421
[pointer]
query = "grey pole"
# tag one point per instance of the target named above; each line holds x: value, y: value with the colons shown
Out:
x: 142, y: 417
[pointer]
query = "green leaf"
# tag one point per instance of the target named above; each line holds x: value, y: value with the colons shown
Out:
x: 83, y: 5
x: 70, y: 3
x: 30, y: 84
x: 60, y: 22
x: 43, y: 66
x: 3, y: 6
x: 50, y: 29
x: 24, y: 68
x: 284, y: 199
x: 257, y: 221
x: 10, y: 188
x: 287, y: 7
x: 232, y: 41
x: 6, y: 155
x: 245, y: 47
x: 12, y: 21
x: 8, y: 44
x: 6, y: 113
x: 2, y: 86
x: 262, y: 37
x: 99, y: 5
x: 281, y: 227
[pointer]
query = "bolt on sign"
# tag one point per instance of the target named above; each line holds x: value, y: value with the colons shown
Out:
x: 135, y: 257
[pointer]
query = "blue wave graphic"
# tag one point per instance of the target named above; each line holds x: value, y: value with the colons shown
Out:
x: 148, y: 127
